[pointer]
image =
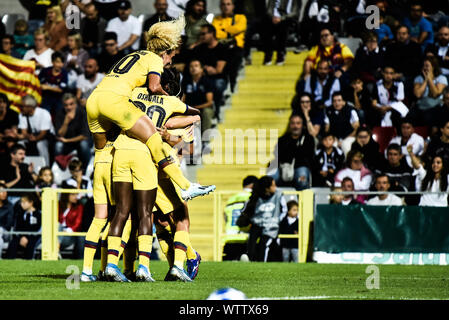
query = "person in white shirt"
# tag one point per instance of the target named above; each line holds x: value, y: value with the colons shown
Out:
x: 436, y: 179
x: 384, y: 199
x: 360, y: 175
x: 41, y: 54
x: 87, y: 82
x: 407, y: 138
x: 127, y: 27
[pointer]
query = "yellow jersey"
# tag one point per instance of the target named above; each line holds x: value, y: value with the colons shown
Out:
x: 131, y: 72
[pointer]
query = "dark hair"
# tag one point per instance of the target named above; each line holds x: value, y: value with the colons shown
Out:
x: 170, y: 81
x: 350, y: 156
x: 196, y: 59
x: 210, y: 29
x: 31, y: 197
x: 249, y: 180
x: 16, y: 148
x: 337, y: 93
x: 74, y: 164
x: 110, y: 36
x: 4, y: 98
x: 435, y: 65
x: 380, y: 175
x: 409, y: 120
x: 347, y: 179
x: 64, y: 199
x: 3, y: 185
x: 394, y: 146
x: 191, y: 3
x: 291, y: 204
x: 327, y: 134
x: 258, y: 192
x: 361, y: 129
x: 57, y: 55
x: 41, y: 170
x: 10, y: 37
x: 430, y: 176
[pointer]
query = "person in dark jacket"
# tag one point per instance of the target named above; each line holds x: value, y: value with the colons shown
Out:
x: 327, y: 162
x: 365, y: 143
x: 289, y: 225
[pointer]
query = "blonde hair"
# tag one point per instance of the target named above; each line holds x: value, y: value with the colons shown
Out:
x: 78, y: 39
x: 58, y: 12
x: 166, y: 35
x: 40, y: 31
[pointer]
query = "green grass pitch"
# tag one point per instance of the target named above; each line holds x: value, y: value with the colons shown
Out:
x: 21, y: 279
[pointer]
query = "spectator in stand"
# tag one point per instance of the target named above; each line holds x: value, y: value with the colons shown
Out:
x: 160, y: 15
x: 365, y: 143
x: 440, y: 49
x: 321, y: 84
x: 428, y: 90
x: 36, y: 128
x: 78, y: 180
x: 107, y: 9
x: 70, y: 219
x: 230, y: 29
x: 369, y: 59
x: 347, y: 185
x: 87, y: 82
x: 280, y: 16
x: 72, y: 131
x: 327, y: 162
x: 295, y: 151
x: 439, y: 145
x: 56, y: 27
x: 75, y: 57
x: 23, y: 39
x: 92, y: 30
x: 420, y: 28
x: 360, y: 175
x: 195, y: 18
x: 387, y: 107
x: 37, y: 12
x: 9, y: 120
x: 339, y: 55
x: 72, y: 8
x: 384, y: 34
x: 54, y: 81
x: 127, y: 27
x: 434, y: 179
x: 440, y: 114
x: 45, y: 178
x: 312, y: 115
x: 342, y: 121
x: 8, y: 46
x: 27, y: 218
x: 41, y: 53
x: 382, y: 184
x: 198, y: 93
x: 6, y: 215
x: 407, y: 138
x: 358, y: 95
x: 110, y: 54
x: 289, y: 225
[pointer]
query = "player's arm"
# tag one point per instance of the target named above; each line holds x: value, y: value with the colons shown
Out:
x: 154, y: 84
x: 172, y: 140
x: 181, y: 122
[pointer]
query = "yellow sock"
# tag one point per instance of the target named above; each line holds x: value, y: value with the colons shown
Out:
x: 91, y: 243
x: 165, y: 240
x: 113, y: 248
x: 181, y: 243
x: 104, y: 248
x: 145, y: 245
x: 125, y: 237
x: 191, y: 254
x: 166, y: 162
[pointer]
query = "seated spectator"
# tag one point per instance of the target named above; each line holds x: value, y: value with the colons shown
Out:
x: 387, y: 101
x: 27, y: 218
x: 280, y: 16
x: 382, y: 183
x: 16, y: 174
x: 339, y: 55
x: 439, y: 145
x: 327, y: 162
x: 440, y: 114
x: 369, y: 59
x: 342, y: 121
x: 295, y: 151
x: 322, y: 84
x: 159, y: 16
x: 41, y: 53
x: 198, y: 93
x: 428, y: 89
x: 420, y: 28
x: 440, y: 49
x: 383, y: 33
x: 313, y: 116
x: 359, y: 174
x: 289, y: 225
x: 408, y: 137
x: 347, y: 185
x: 36, y: 128
x: 88, y: 81
x: 75, y: 57
x: 8, y: 46
x: 365, y: 143
x: 22, y: 38
x: 195, y: 18
x: 45, y: 178
x: 70, y: 219
x: 358, y: 96
x: 56, y: 28
x: 9, y: 120
x: 110, y: 54
x: 6, y: 216
x: 72, y: 131
x: 127, y: 27
x: 78, y: 180
x: 230, y: 29
x: 54, y: 81
x: 434, y: 179
x: 92, y: 30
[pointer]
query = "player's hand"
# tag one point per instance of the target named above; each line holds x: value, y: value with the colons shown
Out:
x: 31, y: 167
x: 276, y: 20
x: 164, y: 133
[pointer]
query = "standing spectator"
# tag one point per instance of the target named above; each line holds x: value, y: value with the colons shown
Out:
x: 365, y: 143
x: 342, y: 121
x: 160, y: 15
x: 294, y: 153
x: 280, y: 16
x: 382, y: 183
x: 87, y: 82
x: 72, y: 131
x: 440, y: 49
x: 369, y: 59
x: 327, y: 162
x: 359, y: 174
x: 195, y: 17
x: 56, y: 28
x: 78, y: 180
x: 70, y: 219
x: 408, y: 137
x: 312, y: 115
x: 54, y: 81
x: 420, y: 28
x: 75, y: 57
x: 92, y: 30
x: 27, y: 218
x: 439, y: 145
x: 36, y: 128
x: 41, y: 53
x: 6, y: 216
x: 23, y: 39
x: 127, y: 27
x: 198, y: 93
x: 9, y: 120
x: 289, y: 225
x: 37, y: 10
x: 230, y: 28
x: 111, y: 54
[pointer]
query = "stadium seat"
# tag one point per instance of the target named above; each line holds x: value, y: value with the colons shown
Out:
x: 352, y: 43
x: 9, y: 20
x: 321, y: 195
x: 422, y: 131
x: 383, y: 136
x: 37, y: 161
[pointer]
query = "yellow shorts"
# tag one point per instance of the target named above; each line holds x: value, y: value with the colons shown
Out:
x: 102, y: 183
x: 168, y: 197
x: 136, y: 167
x: 104, y: 107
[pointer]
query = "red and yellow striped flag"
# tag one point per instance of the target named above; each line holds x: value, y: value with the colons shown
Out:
x: 17, y: 79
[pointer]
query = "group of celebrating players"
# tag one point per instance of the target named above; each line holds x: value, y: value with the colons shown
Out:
x: 137, y: 170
